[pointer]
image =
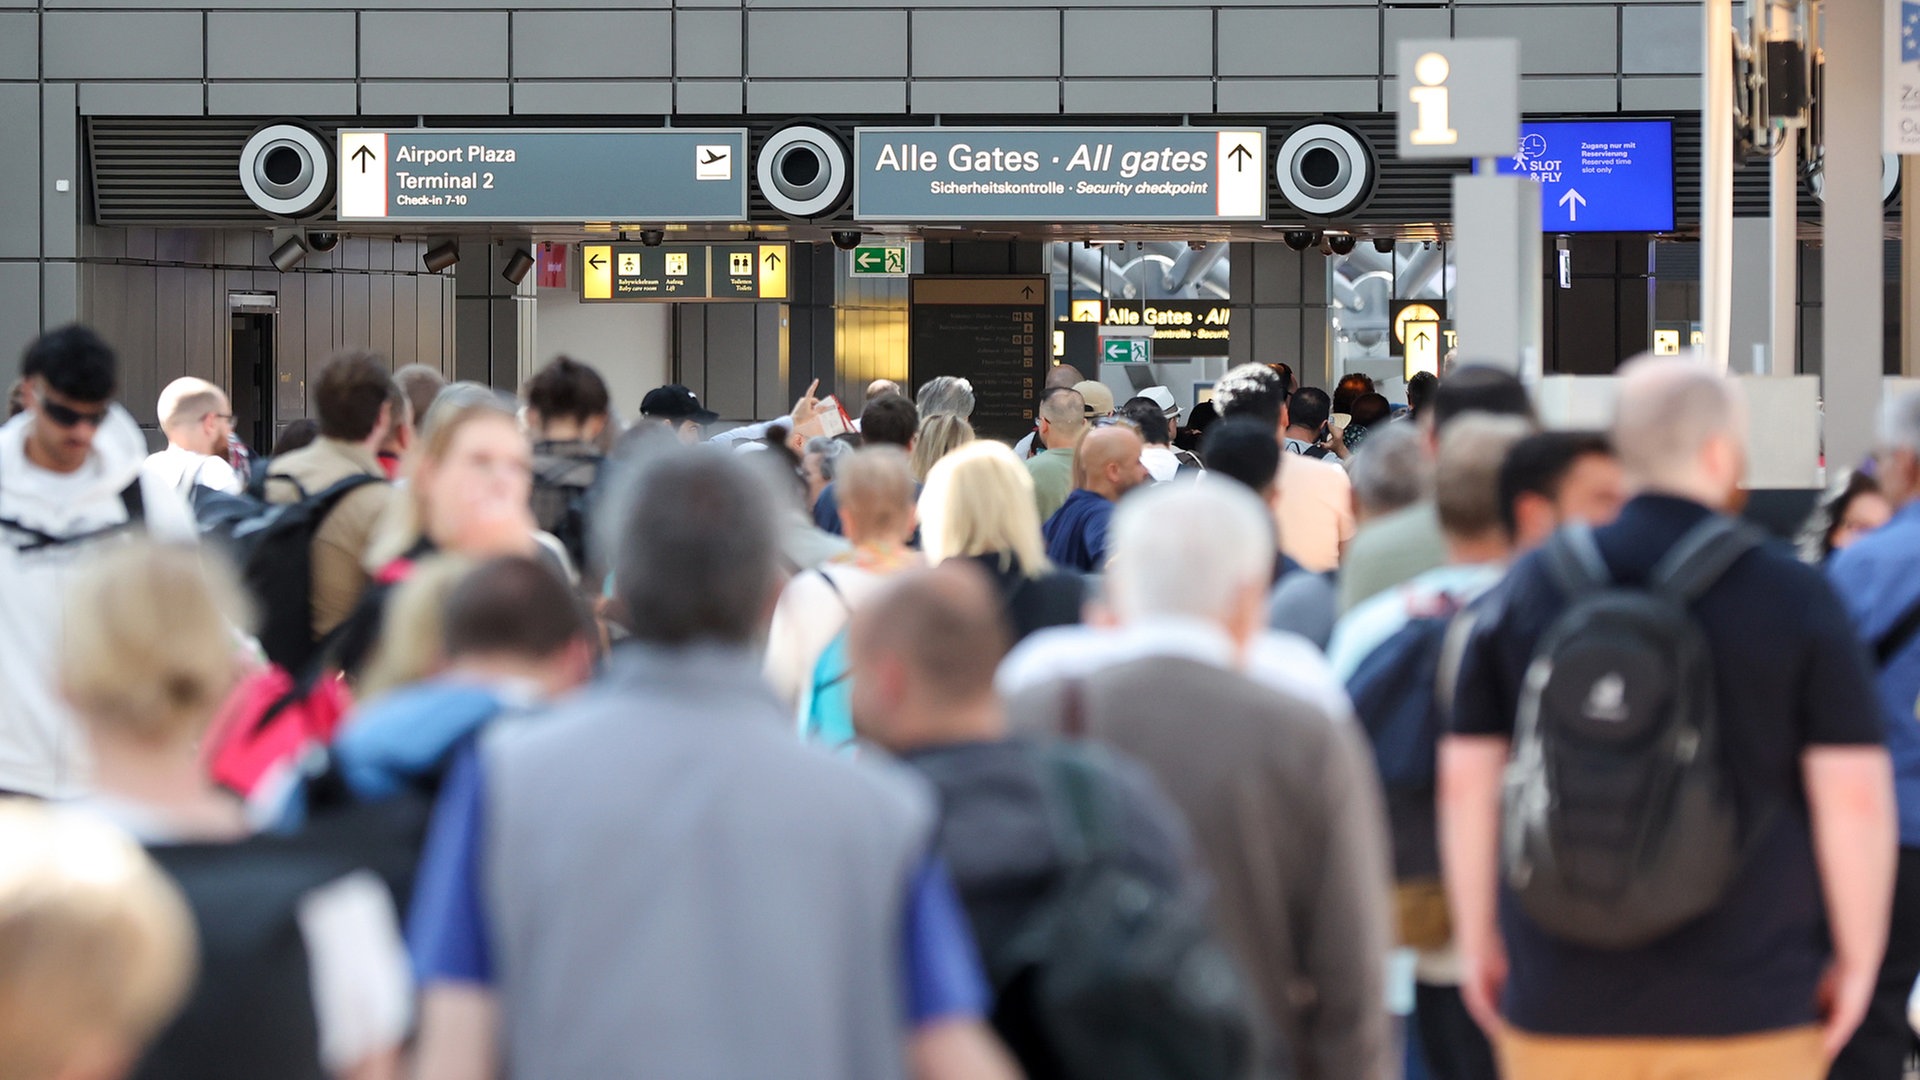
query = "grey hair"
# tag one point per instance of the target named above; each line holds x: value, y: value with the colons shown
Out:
x: 829, y: 449
x: 945, y: 395
x: 1158, y: 571
x: 1900, y: 423
x: 697, y: 553
x: 460, y: 395
x: 1391, y: 470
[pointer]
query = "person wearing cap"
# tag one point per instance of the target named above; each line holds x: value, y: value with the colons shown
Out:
x: 1099, y: 401
x: 677, y: 407
x: 1157, y: 419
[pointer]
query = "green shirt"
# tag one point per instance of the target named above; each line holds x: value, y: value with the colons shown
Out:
x: 1390, y: 551
x: 1052, y: 473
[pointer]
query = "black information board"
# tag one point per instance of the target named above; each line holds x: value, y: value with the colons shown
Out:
x: 993, y: 332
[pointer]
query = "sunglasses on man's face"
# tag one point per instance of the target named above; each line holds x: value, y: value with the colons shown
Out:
x: 65, y: 417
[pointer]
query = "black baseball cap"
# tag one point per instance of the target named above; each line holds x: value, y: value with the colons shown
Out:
x: 676, y: 402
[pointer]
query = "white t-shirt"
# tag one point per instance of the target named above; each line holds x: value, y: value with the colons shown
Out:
x: 809, y: 614
x: 1315, y: 515
x: 178, y: 467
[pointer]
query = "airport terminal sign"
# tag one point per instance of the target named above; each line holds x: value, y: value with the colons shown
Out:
x: 521, y: 175
x: 1598, y: 175
x: 1120, y: 175
x: 722, y: 271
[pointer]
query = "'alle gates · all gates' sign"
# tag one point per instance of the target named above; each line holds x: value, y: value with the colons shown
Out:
x: 910, y: 174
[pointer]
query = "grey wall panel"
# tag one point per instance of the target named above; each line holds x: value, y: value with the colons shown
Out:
x: 186, y: 245
x: 1568, y: 95
x: 1397, y: 23
x: 353, y: 313
x: 1135, y: 43
x: 710, y: 97
x: 433, y: 45
x: 769, y: 360
x: 1660, y: 39
x: 984, y: 96
x: 321, y: 343
x: 1276, y: 275
x: 142, y: 99
x: 169, y: 336
x: 1562, y: 39
x: 280, y: 45
x: 826, y: 44
x: 690, y: 347
x: 407, y: 318
x: 730, y: 360
x: 272, y: 99
x: 121, y: 45
x: 802, y: 96
x: 59, y: 293
x: 1138, y: 95
x: 1019, y: 44
x: 20, y: 172
x: 19, y: 314
x: 143, y: 244
x: 1297, y: 95
x: 290, y: 348
x: 201, y: 310
x: 1304, y: 41
x: 707, y: 44
x: 136, y: 344
x: 473, y: 334
x: 592, y: 44
x: 379, y: 329
x: 1676, y: 93
x: 60, y: 160
x: 19, y: 45
x: 1276, y: 334
x: 446, y: 98
x: 593, y: 97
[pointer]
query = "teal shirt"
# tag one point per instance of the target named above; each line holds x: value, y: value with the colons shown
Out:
x: 1052, y: 474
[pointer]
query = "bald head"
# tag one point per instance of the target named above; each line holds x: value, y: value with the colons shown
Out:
x: 1064, y: 377
x: 1063, y: 416
x: 881, y: 388
x: 923, y: 654
x: 1680, y: 428
x: 193, y: 413
x: 875, y: 489
x: 1109, y: 461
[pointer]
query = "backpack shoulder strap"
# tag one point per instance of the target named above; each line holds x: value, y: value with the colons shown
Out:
x: 299, y: 488
x: 340, y: 487
x: 134, y: 501
x: 1888, y: 645
x: 834, y: 587
x: 1574, y: 560
x: 1083, y: 820
x: 1701, y: 556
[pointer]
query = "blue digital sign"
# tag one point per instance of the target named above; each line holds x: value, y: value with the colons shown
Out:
x: 1599, y: 175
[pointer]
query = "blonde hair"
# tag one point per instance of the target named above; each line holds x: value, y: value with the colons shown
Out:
x: 940, y: 434
x: 979, y: 501
x: 413, y: 632
x: 96, y: 944
x: 405, y: 520
x: 875, y: 491
x: 148, y: 647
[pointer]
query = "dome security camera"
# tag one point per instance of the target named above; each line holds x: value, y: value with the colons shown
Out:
x: 1301, y: 239
x: 846, y: 239
x: 653, y: 237
x: 1340, y: 243
x: 323, y: 241
x: 1383, y: 244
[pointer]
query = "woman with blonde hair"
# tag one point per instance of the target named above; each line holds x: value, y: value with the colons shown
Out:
x: 148, y: 655
x: 940, y: 435
x: 978, y: 504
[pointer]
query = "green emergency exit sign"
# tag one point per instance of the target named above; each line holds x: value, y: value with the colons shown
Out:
x: 879, y: 261
x: 1136, y: 350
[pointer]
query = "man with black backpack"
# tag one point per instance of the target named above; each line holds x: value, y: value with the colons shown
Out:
x: 1666, y: 813
x: 1049, y: 843
x: 70, y: 479
x: 1878, y: 578
x: 567, y: 410
x: 358, y: 404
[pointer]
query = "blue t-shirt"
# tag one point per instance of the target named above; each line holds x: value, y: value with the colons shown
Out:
x: 1878, y: 580
x: 448, y: 935
x: 1077, y: 532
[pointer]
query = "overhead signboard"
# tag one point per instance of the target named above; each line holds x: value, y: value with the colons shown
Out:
x: 1129, y: 175
x: 991, y: 331
x: 1598, y: 175
x: 1403, y: 313
x: 1900, y: 108
x: 1458, y: 97
x: 637, y: 272
x: 531, y: 175
x: 888, y: 260
x: 1182, y: 329
x: 1127, y: 350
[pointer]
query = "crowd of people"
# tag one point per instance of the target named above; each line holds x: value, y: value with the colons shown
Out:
x: 1299, y: 733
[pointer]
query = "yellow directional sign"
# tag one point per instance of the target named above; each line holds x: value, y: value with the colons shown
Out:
x: 1666, y: 342
x: 1423, y: 346
x: 596, y: 282
x: 773, y: 271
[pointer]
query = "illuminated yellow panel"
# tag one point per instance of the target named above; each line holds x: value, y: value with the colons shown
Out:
x: 596, y: 271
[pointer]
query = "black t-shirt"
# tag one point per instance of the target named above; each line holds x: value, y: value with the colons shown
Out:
x: 1790, y: 674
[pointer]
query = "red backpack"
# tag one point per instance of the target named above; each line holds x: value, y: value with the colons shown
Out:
x: 270, y: 724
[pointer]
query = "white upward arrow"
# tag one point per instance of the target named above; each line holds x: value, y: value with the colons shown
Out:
x: 1578, y: 200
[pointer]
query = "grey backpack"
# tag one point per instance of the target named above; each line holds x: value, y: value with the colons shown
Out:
x: 1618, y: 820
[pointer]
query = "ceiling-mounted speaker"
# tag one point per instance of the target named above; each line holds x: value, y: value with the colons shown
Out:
x: 1325, y: 170
x: 804, y: 171
x: 287, y: 170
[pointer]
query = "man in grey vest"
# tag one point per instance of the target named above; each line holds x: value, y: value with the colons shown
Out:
x: 659, y: 879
